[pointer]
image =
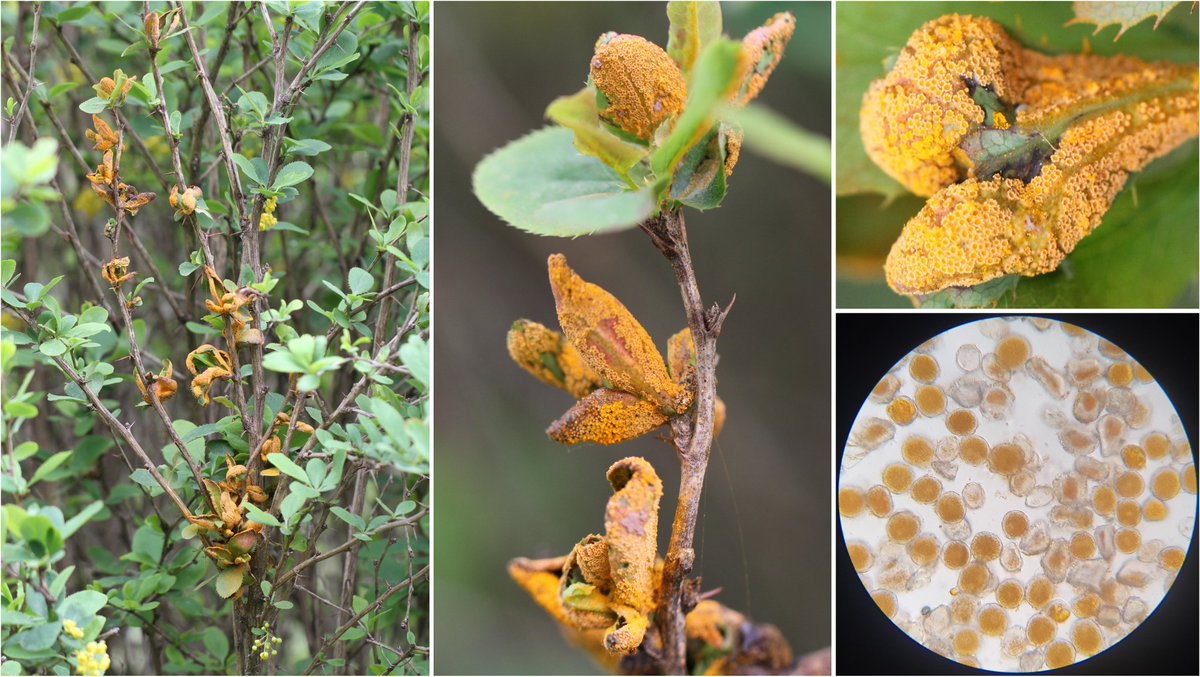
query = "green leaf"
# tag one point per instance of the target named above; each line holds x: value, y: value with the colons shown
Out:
x: 541, y: 184
x: 229, y: 581
x: 578, y: 113
x: 292, y: 174
x: 306, y: 147
x: 360, y: 281
x: 414, y: 354
x: 1123, y: 14
x: 49, y: 466
x: 349, y: 517
x: 93, y: 105
x: 694, y: 25
x: 216, y: 643
x: 81, y: 606
x: 259, y: 515
x: 76, y: 523
x: 73, y: 14
x: 712, y: 79
x: 288, y: 467
x: 250, y: 169
x: 777, y: 138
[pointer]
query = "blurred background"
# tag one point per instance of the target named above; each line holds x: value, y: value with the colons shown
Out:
x: 503, y: 489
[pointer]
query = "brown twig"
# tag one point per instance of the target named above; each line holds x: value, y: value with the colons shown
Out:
x: 337, y: 634
x: 30, y: 83
x: 693, y: 442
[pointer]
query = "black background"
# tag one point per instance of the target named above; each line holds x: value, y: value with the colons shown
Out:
x: 868, y: 345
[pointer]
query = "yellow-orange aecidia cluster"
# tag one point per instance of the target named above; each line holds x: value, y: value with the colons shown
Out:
x: 643, y: 87
x: 605, y: 359
x: 605, y: 590
x: 1097, y: 118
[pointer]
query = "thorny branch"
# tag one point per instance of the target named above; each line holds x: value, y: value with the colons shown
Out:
x: 693, y: 441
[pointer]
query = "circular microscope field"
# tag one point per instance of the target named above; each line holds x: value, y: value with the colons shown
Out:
x: 1017, y: 494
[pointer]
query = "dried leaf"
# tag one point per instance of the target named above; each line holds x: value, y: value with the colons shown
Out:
x: 1124, y: 14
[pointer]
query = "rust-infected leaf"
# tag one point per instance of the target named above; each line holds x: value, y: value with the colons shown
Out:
x: 642, y: 86
x: 541, y: 351
x: 611, y: 340
x: 540, y: 578
x: 606, y: 417
x: 762, y: 48
x: 631, y: 530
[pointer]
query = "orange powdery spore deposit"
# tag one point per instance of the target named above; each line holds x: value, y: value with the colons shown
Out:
x: 975, y: 231
x: 611, y: 340
x: 642, y: 84
x: 1100, y: 118
x: 913, y: 121
x: 606, y: 417
x: 542, y: 352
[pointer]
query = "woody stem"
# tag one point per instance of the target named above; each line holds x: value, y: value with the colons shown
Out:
x: 669, y: 234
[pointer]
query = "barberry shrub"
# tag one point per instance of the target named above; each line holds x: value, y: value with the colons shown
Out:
x: 215, y: 314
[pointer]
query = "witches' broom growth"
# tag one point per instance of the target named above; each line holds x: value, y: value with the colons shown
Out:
x: 647, y: 136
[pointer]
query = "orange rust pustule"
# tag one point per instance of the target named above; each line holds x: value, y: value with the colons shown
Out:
x: 611, y: 341
x: 642, y: 84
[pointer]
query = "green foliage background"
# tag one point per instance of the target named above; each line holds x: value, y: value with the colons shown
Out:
x: 1144, y: 253
x: 88, y: 535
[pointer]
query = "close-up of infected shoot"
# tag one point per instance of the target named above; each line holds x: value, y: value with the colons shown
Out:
x: 1019, y: 153
x: 650, y: 134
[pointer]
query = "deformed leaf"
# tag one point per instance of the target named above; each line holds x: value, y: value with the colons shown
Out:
x: 542, y: 185
x: 541, y: 351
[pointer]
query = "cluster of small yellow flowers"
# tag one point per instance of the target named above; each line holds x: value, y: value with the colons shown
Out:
x: 267, y: 646
x: 267, y: 220
x: 73, y: 630
x: 93, y: 659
